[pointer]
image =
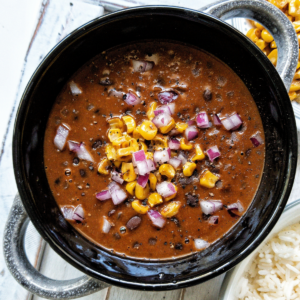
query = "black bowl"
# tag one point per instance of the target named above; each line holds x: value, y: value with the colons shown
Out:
x: 156, y: 23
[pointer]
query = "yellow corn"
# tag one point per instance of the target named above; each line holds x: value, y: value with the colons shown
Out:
x: 188, y: 168
x: 261, y: 44
x: 181, y: 127
x: 143, y: 146
x: 148, y: 130
x: 259, y: 26
x: 130, y: 187
x: 253, y: 34
x: 208, y: 179
x: 273, y: 45
x: 114, y: 133
x: 185, y: 146
x: 279, y: 3
x: 117, y: 163
x: 167, y: 170
x: 124, y: 152
x: 128, y: 172
x: 136, y: 133
x: 149, y: 155
x: 297, y: 75
x: 266, y: 36
x: 171, y: 209
x: 110, y: 152
x: 199, y: 153
x: 121, y: 142
x: 115, y: 123
x: 293, y: 96
x: 273, y: 57
x: 174, y: 195
x: 139, y: 207
x: 134, y: 144
x: 103, y: 165
x: 294, y: 8
x: 152, y: 108
x: 160, y: 142
x: 155, y: 199
x: 296, y: 26
x: 298, y: 65
x: 153, y: 181
x: 158, y: 176
x: 295, y: 86
x: 130, y: 123
x: 169, y: 127
x: 142, y: 193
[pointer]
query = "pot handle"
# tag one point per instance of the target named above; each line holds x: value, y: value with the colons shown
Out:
x: 27, y: 275
x: 274, y: 20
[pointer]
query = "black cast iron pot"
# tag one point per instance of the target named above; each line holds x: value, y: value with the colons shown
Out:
x: 207, y: 32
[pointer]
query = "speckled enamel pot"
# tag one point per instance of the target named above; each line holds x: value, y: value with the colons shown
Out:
x: 203, y: 30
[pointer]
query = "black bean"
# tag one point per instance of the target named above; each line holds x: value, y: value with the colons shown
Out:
x: 105, y: 81
x: 97, y: 144
x: 178, y: 246
x: 134, y: 222
x: 82, y: 172
x: 192, y: 201
x: 57, y: 181
x: 207, y: 95
x: 76, y: 161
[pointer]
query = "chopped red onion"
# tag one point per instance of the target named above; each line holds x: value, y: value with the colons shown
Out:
x: 174, y: 144
x: 68, y: 212
x: 132, y: 99
x: 213, y: 220
x: 175, y: 162
x: 162, y: 156
x: 171, y: 107
x: 162, y: 109
x: 61, y: 137
x: 142, y: 66
x: 117, y: 177
x: 202, y: 120
x: 75, y: 90
x: 201, y: 244
x: 182, y: 158
x: 235, y: 208
x: 103, y: 195
x: 151, y: 165
x: 161, y: 120
x: 167, y: 97
x: 116, y: 94
x: 80, y: 150
x: 117, y: 194
x: 256, y: 139
x: 165, y: 189
x: 191, y: 133
x: 156, y: 218
x: 191, y: 122
x: 213, y: 153
x: 211, y: 206
x: 140, y: 162
x: 232, y: 122
x: 142, y: 180
x: 78, y: 214
x: 174, y: 132
x: 217, y: 121
x: 106, y: 225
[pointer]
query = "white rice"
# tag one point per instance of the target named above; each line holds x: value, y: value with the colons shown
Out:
x: 275, y: 271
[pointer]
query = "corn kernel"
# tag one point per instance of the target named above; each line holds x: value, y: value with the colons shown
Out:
x: 188, y: 169
x: 273, y: 57
x: 142, y: 193
x: 148, y: 130
x: 128, y: 172
x: 114, y: 133
x: 103, y: 165
x: 130, y: 123
x: 139, y: 207
x: 273, y: 45
x: 279, y: 3
x: 152, y: 108
x: 124, y: 152
x: 261, y: 44
x: 174, y: 195
x: 266, y: 36
x: 169, y: 127
x: 117, y: 163
x: 134, y: 144
x: 153, y: 181
x: 208, y: 179
x: 295, y: 86
x: 143, y: 146
x: 136, y: 133
x: 171, y: 209
x: 185, y: 146
x: 130, y: 187
x: 199, y: 153
x: 155, y: 199
x: 149, y: 155
x: 259, y: 26
x: 167, y: 170
x: 160, y: 142
x: 115, y: 123
x: 294, y: 8
x: 253, y: 34
x: 110, y: 152
x: 121, y: 142
x: 297, y: 75
x: 181, y: 127
x: 292, y: 96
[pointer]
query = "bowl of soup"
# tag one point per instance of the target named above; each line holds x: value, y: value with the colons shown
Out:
x: 149, y: 156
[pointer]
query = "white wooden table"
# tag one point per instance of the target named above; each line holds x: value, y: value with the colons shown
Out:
x: 28, y: 30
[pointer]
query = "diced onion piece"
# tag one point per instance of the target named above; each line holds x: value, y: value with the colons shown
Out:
x: 68, y: 212
x: 106, y: 225
x: 182, y: 158
x: 167, y: 97
x: 161, y: 120
x: 75, y: 90
x: 80, y: 150
x: 174, y: 144
x: 162, y: 156
x: 117, y: 194
x: 165, y: 189
x: 142, y: 180
x: 256, y: 139
x: 132, y: 99
x: 78, y: 214
x: 191, y: 122
x: 117, y: 177
x: 151, y: 165
x: 174, y: 132
x: 191, y: 133
x: 142, y: 66
x: 116, y: 94
x: 232, y: 122
x: 235, y: 208
x: 171, y: 107
x: 156, y: 218
x: 211, y: 206
x: 201, y: 244
x: 213, y: 220
x: 61, y: 137
x: 213, y: 153
x: 175, y: 162
x: 162, y: 109
x: 103, y: 195
x: 140, y: 162
x: 216, y: 120
x: 202, y: 120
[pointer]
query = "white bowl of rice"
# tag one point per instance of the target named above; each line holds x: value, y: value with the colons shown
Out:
x: 272, y: 271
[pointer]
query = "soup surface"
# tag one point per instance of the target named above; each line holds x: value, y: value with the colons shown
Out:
x: 154, y: 150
